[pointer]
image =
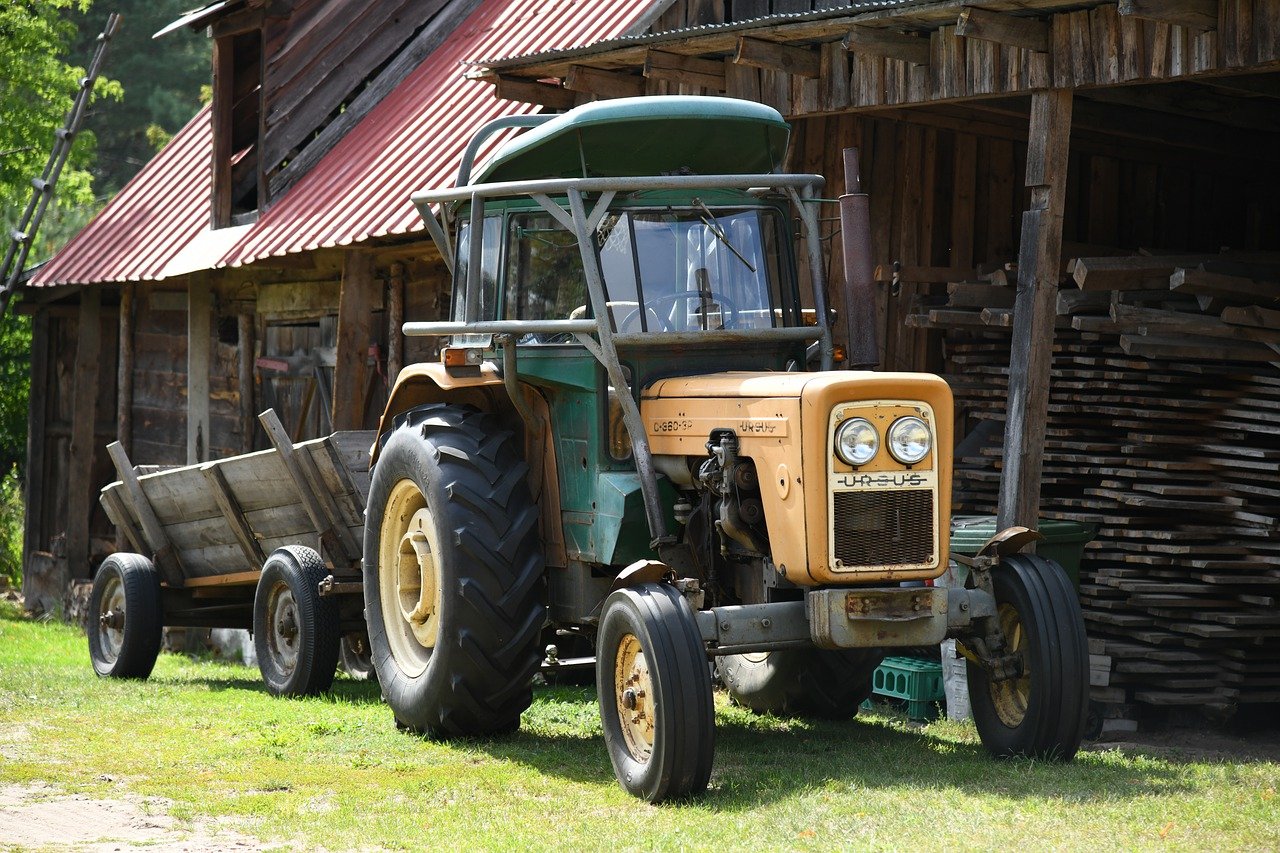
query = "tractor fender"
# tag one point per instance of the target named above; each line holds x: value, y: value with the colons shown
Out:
x: 429, y: 382
x: 1009, y: 541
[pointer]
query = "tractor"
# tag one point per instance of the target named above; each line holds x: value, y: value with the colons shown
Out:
x: 637, y: 444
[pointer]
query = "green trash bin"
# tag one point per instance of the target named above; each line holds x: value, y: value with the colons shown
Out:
x: 1063, y: 542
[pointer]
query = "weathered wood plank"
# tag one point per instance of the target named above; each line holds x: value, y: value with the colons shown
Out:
x: 889, y: 44
x: 1027, y: 33
x: 84, y: 411
x: 37, y: 415
x: 355, y: 326
x: 199, y: 328
x: 1195, y: 14
x: 791, y: 59
x: 165, y: 558
x: 685, y: 70
x: 233, y: 514
x: 118, y: 512
x: 1034, y: 312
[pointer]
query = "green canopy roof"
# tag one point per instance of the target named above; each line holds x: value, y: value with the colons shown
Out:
x: 647, y: 136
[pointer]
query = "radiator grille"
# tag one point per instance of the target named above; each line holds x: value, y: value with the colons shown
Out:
x: 884, y: 528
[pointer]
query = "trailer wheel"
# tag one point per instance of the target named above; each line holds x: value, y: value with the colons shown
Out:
x: 453, y: 574
x: 295, y: 629
x: 801, y: 682
x: 125, y: 617
x: 655, y: 693
x: 355, y: 658
x: 1042, y: 712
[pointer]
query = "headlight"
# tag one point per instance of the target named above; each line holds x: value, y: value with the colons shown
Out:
x: 857, y: 441
x: 909, y: 440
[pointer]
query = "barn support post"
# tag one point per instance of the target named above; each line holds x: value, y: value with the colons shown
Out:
x: 124, y: 369
x: 1035, y: 308
x: 248, y: 354
x: 84, y: 412
x: 395, y: 322
x: 199, y: 320
x: 355, y: 324
x: 37, y: 410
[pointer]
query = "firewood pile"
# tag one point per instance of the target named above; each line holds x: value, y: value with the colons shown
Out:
x: 1164, y: 432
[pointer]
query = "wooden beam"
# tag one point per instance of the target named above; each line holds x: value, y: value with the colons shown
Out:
x: 1026, y: 33
x: 199, y: 342
x: 164, y: 555
x: 532, y: 92
x: 84, y: 411
x: 687, y: 70
x: 223, y: 98
x: 247, y: 350
x: 355, y: 327
x: 395, y: 322
x: 887, y: 43
x: 1197, y: 15
x: 787, y: 58
x: 34, y: 518
x: 118, y: 512
x: 603, y: 84
x: 1035, y: 309
x: 233, y: 514
x: 325, y: 516
x: 124, y: 367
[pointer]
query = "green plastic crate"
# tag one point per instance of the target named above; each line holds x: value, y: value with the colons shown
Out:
x: 1063, y: 542
x: 917, y: 681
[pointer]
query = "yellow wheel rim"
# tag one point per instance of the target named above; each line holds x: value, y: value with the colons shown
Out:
x: 408, y: 579
x: 1012, y: 695
x: 634, y: 695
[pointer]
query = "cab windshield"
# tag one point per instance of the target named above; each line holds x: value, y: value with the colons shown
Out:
x: 665, y: 270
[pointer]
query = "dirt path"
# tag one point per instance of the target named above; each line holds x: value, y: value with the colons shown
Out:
x: 40, y: 815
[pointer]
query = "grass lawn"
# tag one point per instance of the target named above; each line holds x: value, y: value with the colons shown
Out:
x: 334, y: 772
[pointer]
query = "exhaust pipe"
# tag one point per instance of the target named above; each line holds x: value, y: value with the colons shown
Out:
x: 859, y: 276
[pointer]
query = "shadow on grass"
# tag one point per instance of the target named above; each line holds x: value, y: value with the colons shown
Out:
x: 345, y: 690
x: 762, y: 758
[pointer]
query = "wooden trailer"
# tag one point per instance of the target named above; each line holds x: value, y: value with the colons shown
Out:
x: 268, y: 541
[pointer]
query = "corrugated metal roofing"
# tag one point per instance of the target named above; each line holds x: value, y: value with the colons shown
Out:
x: 513, y: 60
x: 413, y: 139
x: 157, y: 214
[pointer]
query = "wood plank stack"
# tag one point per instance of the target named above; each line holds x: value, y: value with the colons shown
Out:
x: 1163, y: 431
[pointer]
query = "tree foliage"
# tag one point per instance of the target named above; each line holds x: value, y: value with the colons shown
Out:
x: 162, y: 81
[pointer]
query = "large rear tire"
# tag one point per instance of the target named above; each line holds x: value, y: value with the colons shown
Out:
x: 654, y: 686
x: 453, y: 577
x: 1042, y: 712
x: 125, y: 619
x: 295, y: 629
x: 801, y: 682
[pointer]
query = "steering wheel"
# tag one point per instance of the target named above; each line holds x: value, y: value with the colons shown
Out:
x: 650, y: 306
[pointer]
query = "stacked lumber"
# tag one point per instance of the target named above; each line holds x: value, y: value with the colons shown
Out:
x: 1162, y: 432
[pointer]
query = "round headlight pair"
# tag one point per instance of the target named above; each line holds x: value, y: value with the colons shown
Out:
x: 857, y: 441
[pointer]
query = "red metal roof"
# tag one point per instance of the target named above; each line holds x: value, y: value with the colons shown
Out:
x: 413, y: 139
x: 151, y: 220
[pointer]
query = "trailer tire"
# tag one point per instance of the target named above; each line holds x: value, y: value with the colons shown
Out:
x: 1043, y: 712
x: 654, y: 687
x: 453, y: 581
x: 295, y: 628
x: 126, y: 619
x: 818, y: 683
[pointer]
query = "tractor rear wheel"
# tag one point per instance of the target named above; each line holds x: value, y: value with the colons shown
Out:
x: 654, y: 686
x: 801, y: 682
x: 125, y: 621
x: 1042, y: 712
x: 453, y: 579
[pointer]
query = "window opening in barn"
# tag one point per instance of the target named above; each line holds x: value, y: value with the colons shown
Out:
x: 237, y: 117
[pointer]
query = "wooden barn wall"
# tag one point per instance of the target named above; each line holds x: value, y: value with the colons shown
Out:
x: 1091, y: 47
x: 159, y: 403
x: 941, y: 198
x: 48, y: 489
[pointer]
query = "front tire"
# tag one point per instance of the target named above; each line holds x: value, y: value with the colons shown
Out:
x: 295, y: 629
x: 1042, y: 713
x: 453, y: 574
x: 818, y: 683
x: 655, y: 693
x: 125, y: 617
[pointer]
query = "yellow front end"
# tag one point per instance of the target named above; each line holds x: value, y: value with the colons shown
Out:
x: 829, y: 521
